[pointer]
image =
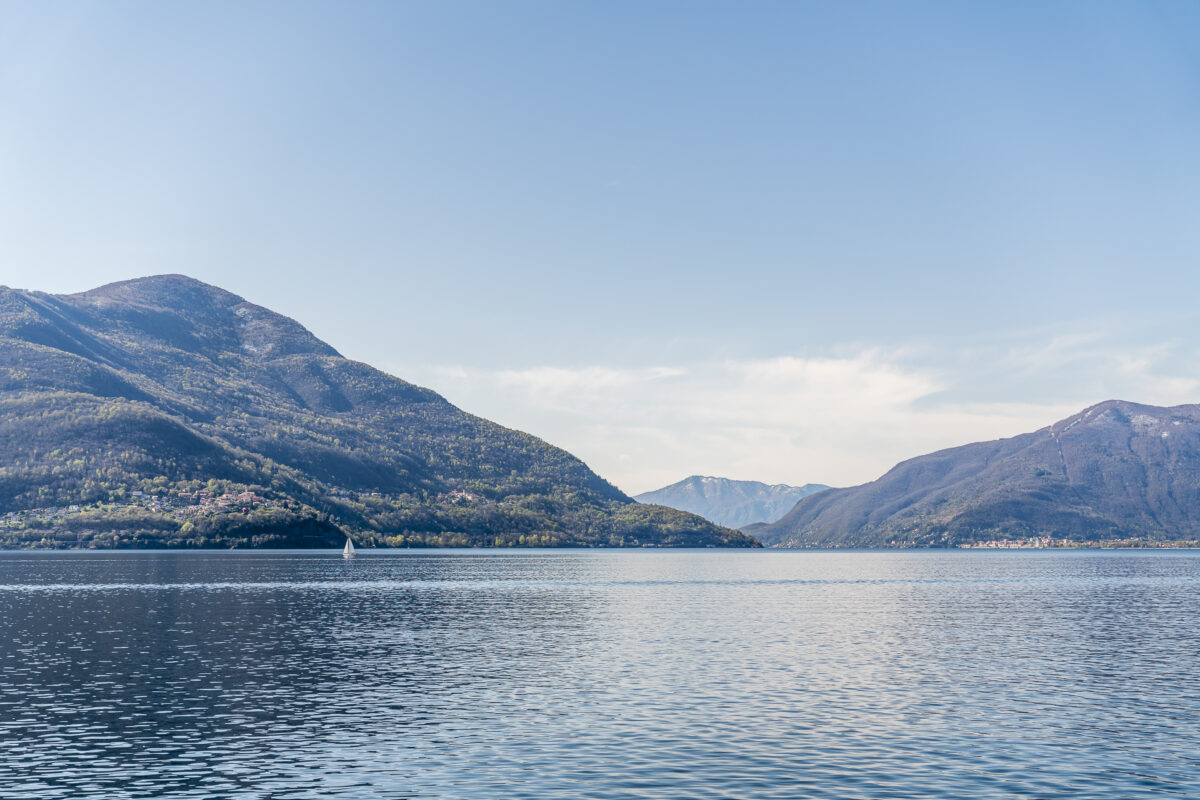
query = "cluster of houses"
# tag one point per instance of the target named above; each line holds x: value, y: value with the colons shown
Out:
x: 186, y: 504
x: 1019, y: 544
x: 181, y: 505
x: 32, y: 514
x: 206, y: 502
x: 459, y: 496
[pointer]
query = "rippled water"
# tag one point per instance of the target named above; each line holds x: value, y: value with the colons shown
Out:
x: 561, y: 674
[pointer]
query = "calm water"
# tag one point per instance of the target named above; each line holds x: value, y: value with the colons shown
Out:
x: 600, y: 674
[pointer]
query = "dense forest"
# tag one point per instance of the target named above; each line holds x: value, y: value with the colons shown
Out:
x: 166, y: 412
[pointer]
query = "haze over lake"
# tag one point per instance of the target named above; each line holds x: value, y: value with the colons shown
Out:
x: 600, y: 674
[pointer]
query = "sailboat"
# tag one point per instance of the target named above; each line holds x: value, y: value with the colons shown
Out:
x: 348, y: 550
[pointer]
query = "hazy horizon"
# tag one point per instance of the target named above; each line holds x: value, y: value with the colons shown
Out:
x: 791, y: 243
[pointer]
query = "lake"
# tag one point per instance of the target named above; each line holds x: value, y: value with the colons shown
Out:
x: 600, y: 674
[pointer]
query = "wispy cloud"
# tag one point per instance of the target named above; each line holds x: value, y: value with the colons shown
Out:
x: 559, y: 385
x: 839, y: 419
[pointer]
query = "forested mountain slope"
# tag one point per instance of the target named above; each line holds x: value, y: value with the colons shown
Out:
x: 166, y: 411
x: 1113, y: 471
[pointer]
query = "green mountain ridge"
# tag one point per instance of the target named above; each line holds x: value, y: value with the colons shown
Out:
x: 164, y: 411
x: 1115, y: 471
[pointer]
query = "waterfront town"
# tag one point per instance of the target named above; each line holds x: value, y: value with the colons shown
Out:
x: 181, y: 505
x: 1032, y: 542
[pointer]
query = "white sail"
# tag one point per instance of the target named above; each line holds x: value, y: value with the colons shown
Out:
x: 348, y: 550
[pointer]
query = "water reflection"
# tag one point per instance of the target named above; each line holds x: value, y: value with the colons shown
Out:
x: 582, y: 674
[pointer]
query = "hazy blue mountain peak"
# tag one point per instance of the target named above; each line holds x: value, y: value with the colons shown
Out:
x: 730, y: 502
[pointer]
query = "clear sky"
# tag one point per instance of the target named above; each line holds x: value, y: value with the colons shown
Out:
x: 786, y: 241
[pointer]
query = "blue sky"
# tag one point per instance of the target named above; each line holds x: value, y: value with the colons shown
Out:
x: 781, y: 241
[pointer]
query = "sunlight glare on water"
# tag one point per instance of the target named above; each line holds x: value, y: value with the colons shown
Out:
x: 553, y: 674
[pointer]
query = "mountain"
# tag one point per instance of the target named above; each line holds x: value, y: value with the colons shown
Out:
x: 1113, y: 471
x: 164, y: 411
x: 734, y: 504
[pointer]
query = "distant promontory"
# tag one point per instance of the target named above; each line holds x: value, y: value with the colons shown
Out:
x: 1117, y: 471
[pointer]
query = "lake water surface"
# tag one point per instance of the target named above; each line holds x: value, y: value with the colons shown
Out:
x: 600, y: 674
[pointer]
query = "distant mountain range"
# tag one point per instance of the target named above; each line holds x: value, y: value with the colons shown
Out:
x: 164, y: 411
x: 1113, y: 471
x: 734, y: 504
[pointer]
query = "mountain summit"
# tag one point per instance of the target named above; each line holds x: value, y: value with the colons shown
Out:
x: 1113, y: 471
x: 729, y: 502
x: 165, y: 411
